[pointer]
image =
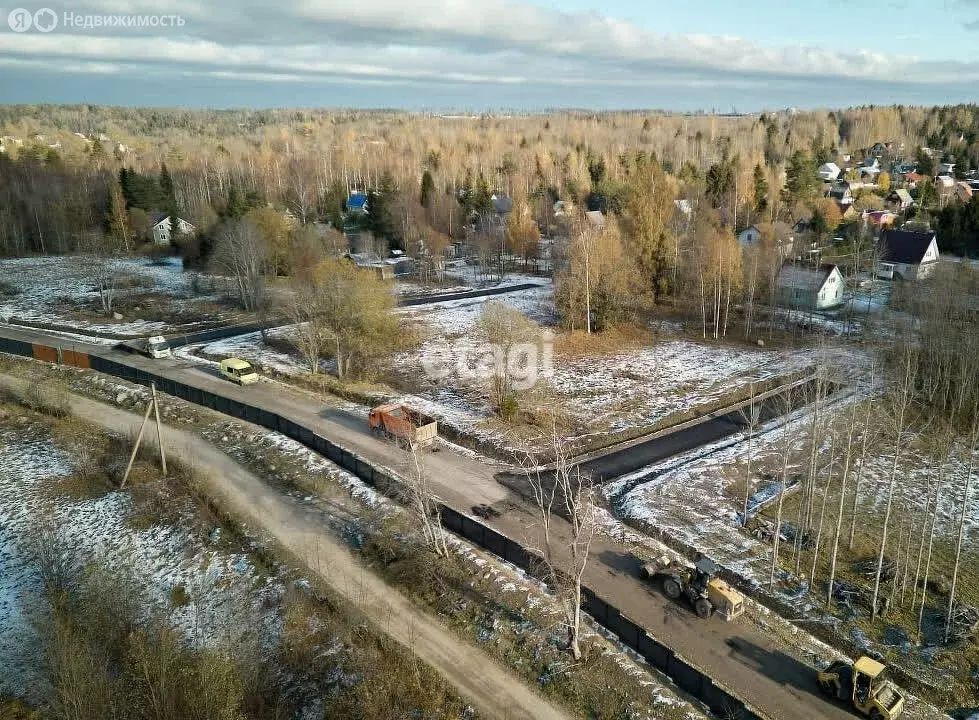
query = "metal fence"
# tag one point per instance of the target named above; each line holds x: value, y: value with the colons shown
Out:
x: 689, y: 678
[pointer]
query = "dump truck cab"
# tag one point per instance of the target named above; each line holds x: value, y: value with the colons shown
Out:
x: 238, y: 371
x: 866, y: 685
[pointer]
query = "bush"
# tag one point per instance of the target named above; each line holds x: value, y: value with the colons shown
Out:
x: 179, y: 596
x: 509, y: 408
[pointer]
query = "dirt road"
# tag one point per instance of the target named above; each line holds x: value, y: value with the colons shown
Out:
x: 492, y: 689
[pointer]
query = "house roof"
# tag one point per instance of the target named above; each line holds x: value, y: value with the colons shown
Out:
x: 905, y: 246
x: 832, y: 168
x: 683, y: 205
x: 903, y: 195
x: 596, y: 218
x: 801, y: 277
x: 502, y: 204
x: 946, y: 181
x: 357, y: 201
x: 840, y: 191
x: 159, y: 217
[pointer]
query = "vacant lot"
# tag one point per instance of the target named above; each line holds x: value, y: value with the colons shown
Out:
x: 151, y: 297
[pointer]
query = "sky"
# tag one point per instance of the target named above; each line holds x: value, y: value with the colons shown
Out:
x: 484, y: 55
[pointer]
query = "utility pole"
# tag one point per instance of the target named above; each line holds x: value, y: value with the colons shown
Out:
x: 159, y: 431
x: 151, y: 405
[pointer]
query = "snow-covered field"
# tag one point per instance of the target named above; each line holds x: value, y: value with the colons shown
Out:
x: 51, y: 290
x: 605, y: 393
x: 226, y: 593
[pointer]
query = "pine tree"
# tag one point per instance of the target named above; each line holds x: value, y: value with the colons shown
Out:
x: 761, y: 190
x: 236, y: 204
x: 166, y: 185
x: 427, y: 190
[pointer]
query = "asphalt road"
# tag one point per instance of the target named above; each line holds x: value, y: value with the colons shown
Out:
x: 608, y: 465
x: 737, y: 654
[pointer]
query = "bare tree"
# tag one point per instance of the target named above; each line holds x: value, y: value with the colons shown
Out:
x: 308, y: 334
x: 786, y: 449
x: 847, y: 456
x: 240, y: 253
x: 506, y: 330
x: 421, y: 502
x: 863, y: 457
x: 945, y: 450
x: 902, y: 403
x: 962, y: 516
x: 750, y: 416
x: 568, y: 492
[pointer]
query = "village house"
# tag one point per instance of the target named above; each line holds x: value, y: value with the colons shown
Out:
x: 842, y: 194
x: 809, y: 288
x: 946, y: 168
x: 749, y: 236
x: 357, y: 203
x: 907, y: 254
x: 912, y: 179
x: 596, y: 218
x: 829, y: 171
x: 899, y: 200
x: 161, y: 228
x: 869, y: 169
x: 879, y: 219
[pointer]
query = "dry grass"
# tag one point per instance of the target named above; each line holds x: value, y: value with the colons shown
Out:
x: 622, y: 339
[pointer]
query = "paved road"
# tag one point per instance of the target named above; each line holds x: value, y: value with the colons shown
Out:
x: 615, y: 462
x: 300, y: 528
x: 738, y: 655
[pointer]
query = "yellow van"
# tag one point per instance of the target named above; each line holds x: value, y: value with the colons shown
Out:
x: 238, y: 371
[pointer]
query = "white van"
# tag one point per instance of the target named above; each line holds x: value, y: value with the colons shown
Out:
x: 158, y: 347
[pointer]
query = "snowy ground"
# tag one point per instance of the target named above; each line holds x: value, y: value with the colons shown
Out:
x: 605, y: 393
x: 223, y: 587
x: 62, y: 290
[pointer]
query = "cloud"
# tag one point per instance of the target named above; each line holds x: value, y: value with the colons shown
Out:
x: 478, y: 42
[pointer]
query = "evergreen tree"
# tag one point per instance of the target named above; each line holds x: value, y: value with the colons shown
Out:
x: 166, y: 185
x: 720, y: 182
x: 801, y: 178
x: 427, y: 190
x: 236, y: 203
x: 761, y: 190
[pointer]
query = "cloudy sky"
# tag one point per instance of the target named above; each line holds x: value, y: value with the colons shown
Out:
x: 496, y: 54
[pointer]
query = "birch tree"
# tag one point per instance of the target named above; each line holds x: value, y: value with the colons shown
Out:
x: 946, y: 448
x: 962, y: 517
x: 902, y: 403
x: 563, y: 547
x: 422, y: 503
x: 786, y: 449
x: 240, y: 253
x: 847, y: 456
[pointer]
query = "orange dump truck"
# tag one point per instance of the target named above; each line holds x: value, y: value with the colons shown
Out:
x: 404, y: 424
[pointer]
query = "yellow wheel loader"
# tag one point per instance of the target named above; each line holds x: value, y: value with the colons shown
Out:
x: 705, y: 593
x: 865, y: 684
